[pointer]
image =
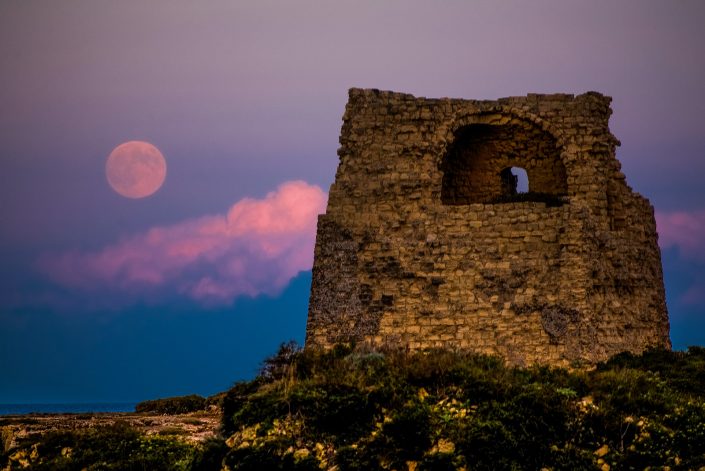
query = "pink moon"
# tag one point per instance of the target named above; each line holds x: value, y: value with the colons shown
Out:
x: 135, y: 169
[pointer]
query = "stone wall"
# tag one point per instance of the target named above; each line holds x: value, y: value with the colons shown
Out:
x: 425, y: 243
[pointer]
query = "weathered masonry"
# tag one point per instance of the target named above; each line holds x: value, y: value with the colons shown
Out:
x: 428, y: 242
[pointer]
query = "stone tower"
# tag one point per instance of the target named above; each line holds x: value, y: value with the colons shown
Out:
x: 426, y: 241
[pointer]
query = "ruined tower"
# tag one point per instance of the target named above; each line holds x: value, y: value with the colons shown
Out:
x: 428, y: 242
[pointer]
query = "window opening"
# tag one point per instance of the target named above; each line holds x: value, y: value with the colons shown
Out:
x: 514, y: 180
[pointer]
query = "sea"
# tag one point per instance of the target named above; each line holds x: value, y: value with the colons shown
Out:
x: 76, y: 408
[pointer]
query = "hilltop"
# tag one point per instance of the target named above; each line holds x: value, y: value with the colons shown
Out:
x: 348, y: 409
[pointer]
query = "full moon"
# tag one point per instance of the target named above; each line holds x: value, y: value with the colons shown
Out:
x: 135, y: 169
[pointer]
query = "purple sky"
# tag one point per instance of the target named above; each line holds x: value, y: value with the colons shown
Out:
x: 243, y: 97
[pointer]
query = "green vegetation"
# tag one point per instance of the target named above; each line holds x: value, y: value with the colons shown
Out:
x: 116, y: 447
x: 443, y: 410
x: 434, y: 410
x: 173, y: 405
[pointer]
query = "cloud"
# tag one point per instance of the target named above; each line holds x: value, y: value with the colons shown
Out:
x: 256, y: 248
x: 683, y: 229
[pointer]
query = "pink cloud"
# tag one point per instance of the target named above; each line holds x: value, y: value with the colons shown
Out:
x: 686, y: 231
x: 257, y: 247
x: 683, y: 229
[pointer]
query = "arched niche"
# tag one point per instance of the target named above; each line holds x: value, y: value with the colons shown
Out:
x: 475, y: 162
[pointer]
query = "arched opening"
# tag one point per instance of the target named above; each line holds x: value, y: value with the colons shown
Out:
x: 492, y: 163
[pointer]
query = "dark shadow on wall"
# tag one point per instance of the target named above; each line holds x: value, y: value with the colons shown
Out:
x: 483, y: 162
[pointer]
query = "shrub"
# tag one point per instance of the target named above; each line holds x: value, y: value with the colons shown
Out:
x: 439, y: 462
x: 380, y: 410
x: 236, y: 399
x: 631, y: 392
x: 209, y: 455
x: 268, y: 457
x: 116, y: 447
x: 277, y: 366
x: 339, y: 411
x: 406, y: 436
x: 172, y: 405
x: 683, y: 371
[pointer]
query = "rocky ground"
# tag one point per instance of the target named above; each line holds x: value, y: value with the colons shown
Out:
x: 194, y: 427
